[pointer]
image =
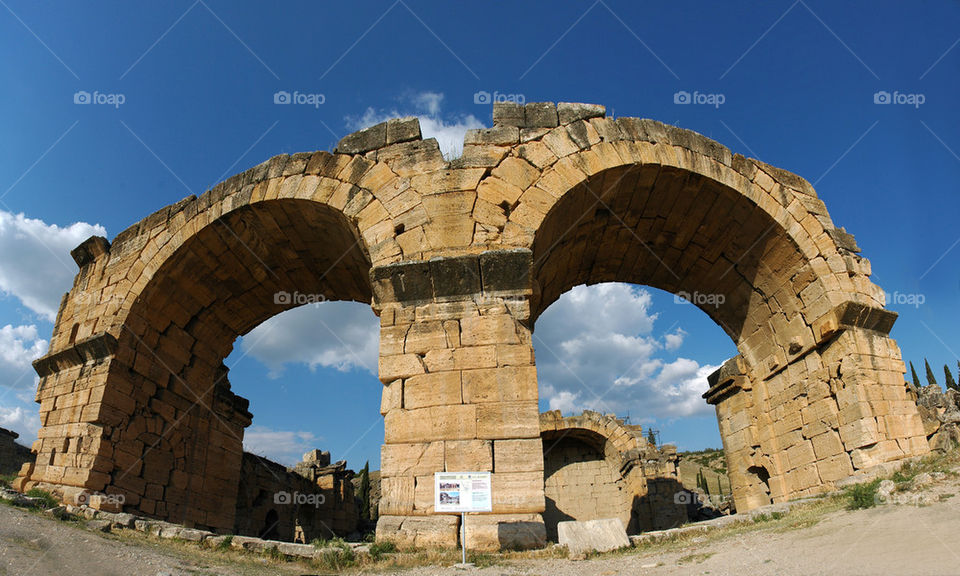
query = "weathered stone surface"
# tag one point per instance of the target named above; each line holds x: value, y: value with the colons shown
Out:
x: 592, y: 535
x: 505, y: 532
x: 573, y: 111
x: 459, y: 259
x: 419, y: 531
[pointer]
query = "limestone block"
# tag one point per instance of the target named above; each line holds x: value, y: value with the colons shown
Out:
x: 592, y: 536
x: 431, y: 423
x: 399, y: 366
x: 517, y: 172
x: 396, y: 495
x: 517, y: 492
x: 434, y: 389
x: 507, y: 420
x: 411, y: 459
x: 498, y: 135
x: 425, y: 336
x: 507, y: 384
x: 870, y: 456
x: 392, y: 397
x: 835, y: 467
x: 862, y: 432
x: 468, y: 456
x: 827, y: 444
x: 475, y: 357
x: 487, y: 532
x: 523, y: 455
x: 573, y: 111
x: 439, y: 530
x: 423, y: 497
x: 481, y: 330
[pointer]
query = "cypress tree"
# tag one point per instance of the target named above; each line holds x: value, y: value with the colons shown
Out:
x: 916, y: 379
x: 365, y: 492
x: 651, y: 437
x: 930, y: 378
x: 950, y: 382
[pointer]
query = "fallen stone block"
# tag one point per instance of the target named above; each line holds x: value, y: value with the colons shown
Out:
x: 592, y: 535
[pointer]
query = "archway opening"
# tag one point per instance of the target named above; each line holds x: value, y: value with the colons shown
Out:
x: 310, y: 374
x: 625, y: 430
x: 700, y: 242
x: 175, y: 423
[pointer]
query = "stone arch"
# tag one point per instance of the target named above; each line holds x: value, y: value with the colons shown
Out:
x: 458, y: 259
x: 597, y: 466
x: 597, y: 200
x: 139, y: 340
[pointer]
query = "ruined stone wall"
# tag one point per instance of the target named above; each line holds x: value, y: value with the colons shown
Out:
x: 272, y: 501
x: 821, y: 418
x: 12, y: 454
x: 596, y: 466
x: 582, y: 485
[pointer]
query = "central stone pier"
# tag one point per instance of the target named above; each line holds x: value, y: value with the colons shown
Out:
x: 460, y: 394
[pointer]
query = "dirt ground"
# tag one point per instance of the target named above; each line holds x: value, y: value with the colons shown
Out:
x: 903, y: 538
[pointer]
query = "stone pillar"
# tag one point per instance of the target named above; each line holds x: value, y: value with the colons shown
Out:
x: 838, y: 409
x: 460, y: 394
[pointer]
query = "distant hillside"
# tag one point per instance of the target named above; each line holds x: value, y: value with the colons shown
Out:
x: 713, y: 465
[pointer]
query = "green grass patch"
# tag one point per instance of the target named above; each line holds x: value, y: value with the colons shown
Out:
x: 863, y: 495
x: 761, y: 518
x: 378, y: 549
x: 46, y: 499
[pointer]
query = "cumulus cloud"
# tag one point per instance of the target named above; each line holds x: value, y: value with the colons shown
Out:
x: 35, y: 263
x: 283, y: 446
x: 675, y: 340
x: 596, y: 349
x: 24, y: 420
x: 448, y: 129
x: 19, y: 346
x: 340, y: 335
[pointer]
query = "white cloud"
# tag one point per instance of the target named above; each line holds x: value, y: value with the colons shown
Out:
x: 25, y: 421
x: 35, y: 262
x: 448, y: 129
x: 340, y: 335
x: 19, y: 346
x: 283, y: 446
x: 675, y: 340
x: 596, y: 349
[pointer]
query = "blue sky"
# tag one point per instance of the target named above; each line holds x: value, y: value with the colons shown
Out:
x: 184, y: 97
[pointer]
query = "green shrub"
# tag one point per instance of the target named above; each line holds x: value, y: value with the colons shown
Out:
x: 46, y: 499
x: 337, y: 558
x: 378, y: 549
x: 863, y: 495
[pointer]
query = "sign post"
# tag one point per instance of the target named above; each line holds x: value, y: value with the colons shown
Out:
x: 462, y: 492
